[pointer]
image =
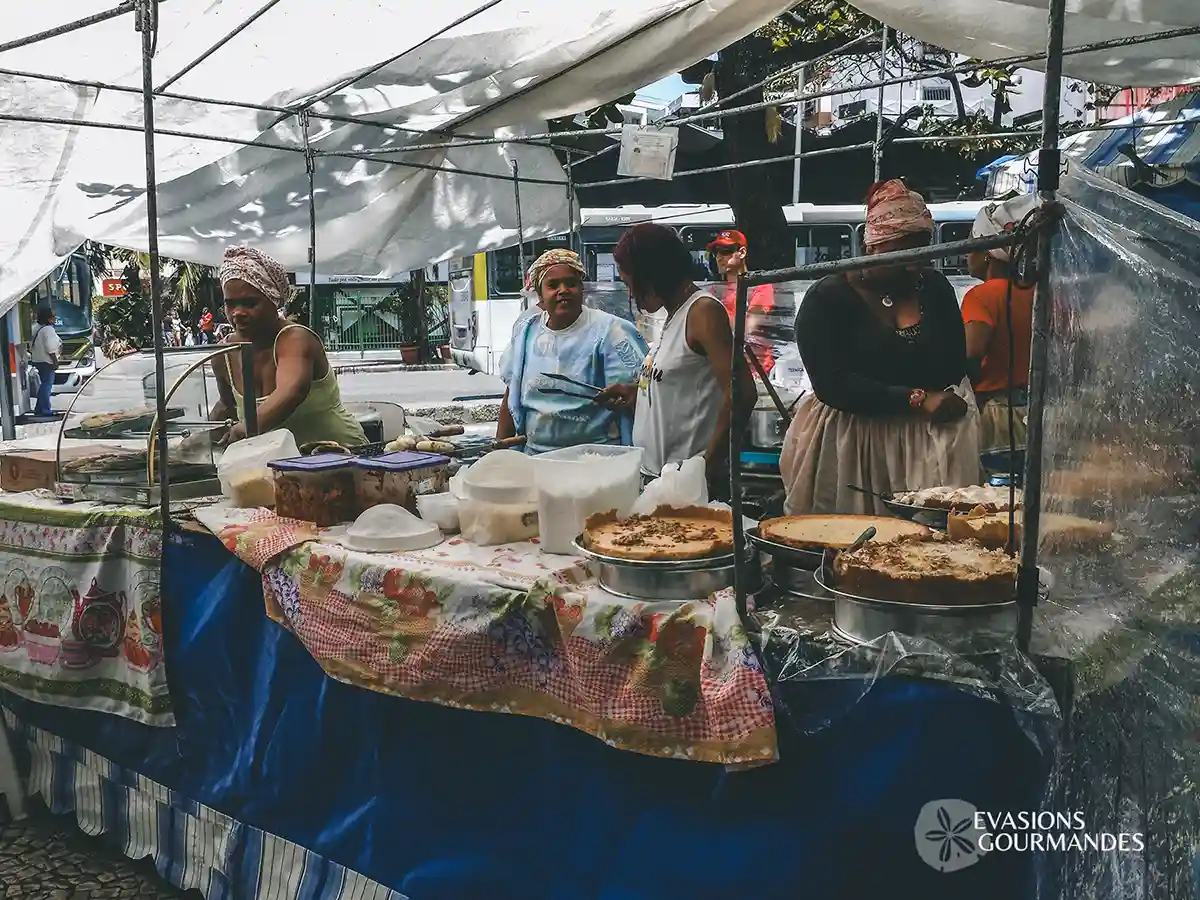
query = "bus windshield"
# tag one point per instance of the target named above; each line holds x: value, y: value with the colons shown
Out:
x: 72, y: 319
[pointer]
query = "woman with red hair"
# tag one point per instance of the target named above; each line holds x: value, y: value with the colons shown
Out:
x: 681, y: 402
x: 891, y: 408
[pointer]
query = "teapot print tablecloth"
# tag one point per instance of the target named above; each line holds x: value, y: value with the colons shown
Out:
x: 80, y: 609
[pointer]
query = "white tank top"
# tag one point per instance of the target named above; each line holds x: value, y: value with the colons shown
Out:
x: 679, y: 398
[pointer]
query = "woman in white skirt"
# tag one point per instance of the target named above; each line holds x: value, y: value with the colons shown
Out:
x: 885, y: 349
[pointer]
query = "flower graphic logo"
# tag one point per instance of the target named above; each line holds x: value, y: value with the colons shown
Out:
x: 946, y: 836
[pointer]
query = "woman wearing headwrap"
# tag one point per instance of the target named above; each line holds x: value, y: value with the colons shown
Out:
x: 993, y: 343
x: 566, y: 338
x: 297, y: 388
x: 891, y: 408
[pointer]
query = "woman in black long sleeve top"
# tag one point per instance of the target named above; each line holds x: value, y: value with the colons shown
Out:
x: 857, y: 360
x: 885, y: 349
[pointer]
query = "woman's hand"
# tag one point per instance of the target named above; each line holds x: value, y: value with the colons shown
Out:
x: 618, y: 397
x: 236, y: 432
x: 943, y: 406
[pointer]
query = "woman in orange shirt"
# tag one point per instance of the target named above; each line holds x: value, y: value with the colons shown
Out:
x: 993, y: 344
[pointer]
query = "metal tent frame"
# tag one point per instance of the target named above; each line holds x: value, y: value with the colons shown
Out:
x: 146, y: 22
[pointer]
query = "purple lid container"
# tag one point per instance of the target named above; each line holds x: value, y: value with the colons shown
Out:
x: 321, y: 462
x: 402, y: 461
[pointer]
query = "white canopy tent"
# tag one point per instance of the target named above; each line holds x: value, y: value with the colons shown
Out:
x: 486, y: 69
x: 994, y: 29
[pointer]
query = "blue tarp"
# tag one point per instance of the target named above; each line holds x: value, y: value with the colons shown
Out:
x: 444, y: 804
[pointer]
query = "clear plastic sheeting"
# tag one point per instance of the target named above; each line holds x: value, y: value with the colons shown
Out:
x: 798, y: 645
x: 1121, y: 448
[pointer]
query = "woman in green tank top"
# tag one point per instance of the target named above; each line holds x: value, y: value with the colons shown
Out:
x: 292, y: 375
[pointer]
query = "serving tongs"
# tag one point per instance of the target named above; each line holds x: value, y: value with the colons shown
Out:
x: 580, y: 384
x: 593, y: 391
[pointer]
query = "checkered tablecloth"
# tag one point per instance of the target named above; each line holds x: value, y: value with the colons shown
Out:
x: 513, y: 629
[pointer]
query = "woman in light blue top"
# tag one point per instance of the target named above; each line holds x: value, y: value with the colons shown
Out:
x: 566, y: 338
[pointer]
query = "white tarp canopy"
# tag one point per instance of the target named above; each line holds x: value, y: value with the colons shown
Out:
x: 497, y: 68
x: 993, y: 29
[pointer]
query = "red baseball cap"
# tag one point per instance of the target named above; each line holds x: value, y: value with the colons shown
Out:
x: 728, y: 239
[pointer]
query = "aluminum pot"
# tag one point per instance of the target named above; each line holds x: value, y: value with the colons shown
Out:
x: 767, y: 427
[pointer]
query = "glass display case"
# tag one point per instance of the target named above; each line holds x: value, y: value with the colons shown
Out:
x: 107, y: 449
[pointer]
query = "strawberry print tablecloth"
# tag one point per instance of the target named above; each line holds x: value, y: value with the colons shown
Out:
x: 513, y: 629
x: 80, y: 611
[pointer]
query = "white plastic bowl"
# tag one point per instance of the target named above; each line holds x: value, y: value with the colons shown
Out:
x: 388, y: 528
x: 440, y: 509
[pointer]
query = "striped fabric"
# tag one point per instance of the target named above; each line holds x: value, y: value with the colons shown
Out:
x: 192, y: 845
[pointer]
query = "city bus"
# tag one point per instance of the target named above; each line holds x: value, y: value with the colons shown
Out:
x: 486, y: 296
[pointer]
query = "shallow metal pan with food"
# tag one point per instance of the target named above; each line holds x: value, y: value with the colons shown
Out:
x: 691, y: 579
x: 861, y: 620
x: 930, y: 516
x: 790, y: 556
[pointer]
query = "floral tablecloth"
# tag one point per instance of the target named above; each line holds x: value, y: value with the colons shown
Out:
x: 513, y: 629
x: 80, y: 611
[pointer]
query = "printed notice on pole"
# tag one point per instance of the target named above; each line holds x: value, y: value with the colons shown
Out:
x: 648, y: 152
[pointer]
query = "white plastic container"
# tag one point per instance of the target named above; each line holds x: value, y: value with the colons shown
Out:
x: 577, y: 482
x: 503, y: 476
x: 440, y: 509
x: 488, y: 524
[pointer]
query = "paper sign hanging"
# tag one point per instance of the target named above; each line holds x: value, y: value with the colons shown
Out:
x: 648, y: 152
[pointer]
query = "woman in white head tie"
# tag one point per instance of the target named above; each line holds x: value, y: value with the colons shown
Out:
x: 292, y: 375
x: 891, y: 408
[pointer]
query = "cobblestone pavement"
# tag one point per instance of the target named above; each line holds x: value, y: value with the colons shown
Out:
x: 44, y: 857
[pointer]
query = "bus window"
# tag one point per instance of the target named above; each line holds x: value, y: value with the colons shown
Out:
x: 954, y: 231
x: 697, y: 239
x: 504, y: 266
x: 504, y: 271
x: 860, y: 240
x: 822, y: 243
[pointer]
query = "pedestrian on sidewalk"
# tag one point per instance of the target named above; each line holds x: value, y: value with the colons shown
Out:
x: 47, y: 346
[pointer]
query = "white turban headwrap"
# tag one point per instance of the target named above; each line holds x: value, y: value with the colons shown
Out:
x: 997, y: 218
x: 258, y: 270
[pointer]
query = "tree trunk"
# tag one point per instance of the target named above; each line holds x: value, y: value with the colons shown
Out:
x: 998, y: 99
x: 757, y: 194
x: 418, y: 277
x: 959, y: 105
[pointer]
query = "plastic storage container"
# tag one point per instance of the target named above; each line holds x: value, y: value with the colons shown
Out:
x: 318, y: 489
x: 399, y: 478
x: 499, y: 499
x: 577, y: 482
x: 440, y: 509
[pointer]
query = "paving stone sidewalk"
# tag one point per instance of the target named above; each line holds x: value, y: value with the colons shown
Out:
x: 44, y: 857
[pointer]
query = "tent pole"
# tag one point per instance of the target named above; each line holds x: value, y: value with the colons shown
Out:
x: 801, y: 81
x: 115, y: 12
x: 1039, y: 357
x: 520, y: 224
x: 571, y: 233
x: 215, y: 47
x: 147, y: 24
x: 877, y: 151
x: 310, y: 164
x: 736, y: 417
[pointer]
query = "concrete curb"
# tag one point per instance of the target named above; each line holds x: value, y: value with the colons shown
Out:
x: 367, y: 366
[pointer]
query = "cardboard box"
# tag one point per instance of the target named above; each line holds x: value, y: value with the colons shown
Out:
x: 31, y: 470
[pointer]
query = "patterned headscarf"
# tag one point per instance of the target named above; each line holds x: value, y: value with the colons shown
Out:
x: 258, y: 270
x: 894, y: 211
x: 546, y: 262
x: 997, y: 218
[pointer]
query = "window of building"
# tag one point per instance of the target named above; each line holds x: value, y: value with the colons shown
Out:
x: 851, y: 110
x: 935, y: 94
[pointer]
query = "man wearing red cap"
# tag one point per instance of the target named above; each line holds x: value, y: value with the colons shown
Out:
x: 729, y: 250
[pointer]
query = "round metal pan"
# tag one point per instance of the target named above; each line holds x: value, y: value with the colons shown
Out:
x: 861, y: 620
x: 652, y: 580
x: 791, y: 557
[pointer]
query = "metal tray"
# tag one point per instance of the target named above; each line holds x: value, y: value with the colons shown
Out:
x: 789, y: 556
x: 862, y: 620
x: 145, y: 495
x: 922, y: 515
x: 650, y: 580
